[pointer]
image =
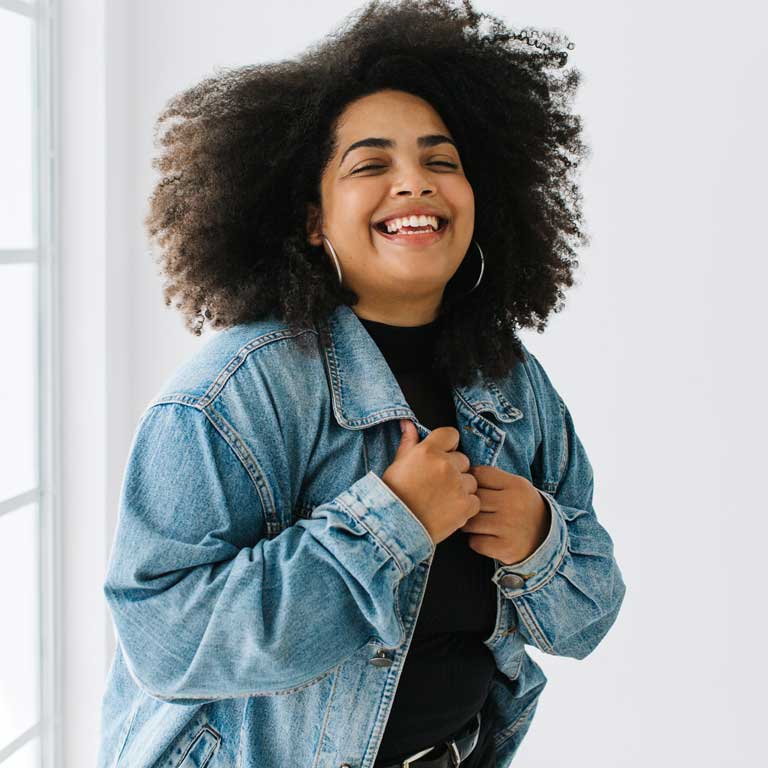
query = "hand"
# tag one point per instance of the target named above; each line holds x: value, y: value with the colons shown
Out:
x: 432, y: 478
x: 514, y: 517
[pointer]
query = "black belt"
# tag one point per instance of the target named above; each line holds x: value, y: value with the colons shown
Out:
x: 447, y: 754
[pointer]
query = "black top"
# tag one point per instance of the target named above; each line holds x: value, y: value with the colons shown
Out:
x: 448, y: 670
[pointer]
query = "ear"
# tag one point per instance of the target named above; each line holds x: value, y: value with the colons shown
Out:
x: 314, y: 224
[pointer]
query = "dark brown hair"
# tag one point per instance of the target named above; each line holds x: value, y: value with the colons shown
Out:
x: 244, y: 151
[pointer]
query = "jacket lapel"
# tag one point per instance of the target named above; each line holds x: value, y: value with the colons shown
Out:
x: 365, y: 391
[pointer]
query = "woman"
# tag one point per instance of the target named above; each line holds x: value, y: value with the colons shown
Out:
x: 293, y: 581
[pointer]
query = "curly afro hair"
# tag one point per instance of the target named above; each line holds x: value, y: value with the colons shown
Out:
x: 245, y: 150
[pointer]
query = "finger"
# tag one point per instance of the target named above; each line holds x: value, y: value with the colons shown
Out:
x: 493, y: 477
x: 487, y: 475
x: 480, y: 523
x: 469, y: 483
x: 490, y: 500
x: 482, y: 544
x: 460, y: 460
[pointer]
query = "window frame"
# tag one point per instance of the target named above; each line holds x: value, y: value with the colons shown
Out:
x: 47, y: 494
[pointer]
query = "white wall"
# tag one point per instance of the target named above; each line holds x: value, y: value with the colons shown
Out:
x: 87, y: 410
x: 659, y: 353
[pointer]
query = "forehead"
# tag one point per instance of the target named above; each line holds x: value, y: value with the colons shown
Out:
x: 389, y: 113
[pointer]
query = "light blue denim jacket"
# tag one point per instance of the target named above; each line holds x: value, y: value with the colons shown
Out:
x: 264, y: 582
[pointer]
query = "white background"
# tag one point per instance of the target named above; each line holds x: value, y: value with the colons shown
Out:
x: 660, y: 353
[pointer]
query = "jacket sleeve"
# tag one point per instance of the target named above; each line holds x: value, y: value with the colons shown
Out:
x: 206, y: 606
x: 568, y: 592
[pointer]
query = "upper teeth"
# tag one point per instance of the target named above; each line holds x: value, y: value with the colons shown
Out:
x: 393, y: 225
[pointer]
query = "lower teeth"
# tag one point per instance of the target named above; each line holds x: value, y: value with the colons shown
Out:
x: 414, y: 231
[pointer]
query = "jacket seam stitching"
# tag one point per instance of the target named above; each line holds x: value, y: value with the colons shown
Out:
x: 516, y: 725
x: 238, y: 447
x: 552, y: 575
x: 533, y: 625
x: 240, y: 450
x: 365, y: 452
x: 348, y: 509
x: 134, y: 711
x: 326, y: 717
x: 242, y: 354
x: 519, y: 663
x: 531, y: 360
x: 566, y: 446
x: 239, y: 757
x: 395, y: 497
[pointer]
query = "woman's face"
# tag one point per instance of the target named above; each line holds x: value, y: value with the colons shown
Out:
x: 399, y: 278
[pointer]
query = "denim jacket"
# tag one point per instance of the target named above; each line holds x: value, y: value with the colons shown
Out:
x: 264, y: 582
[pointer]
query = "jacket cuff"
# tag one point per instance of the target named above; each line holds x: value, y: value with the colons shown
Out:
x: 377, y: 507
x: 519, y: 578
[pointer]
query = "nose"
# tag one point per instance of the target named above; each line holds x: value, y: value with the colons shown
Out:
x: 413, y: 180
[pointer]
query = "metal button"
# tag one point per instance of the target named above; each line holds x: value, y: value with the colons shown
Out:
x: 381, y: 659
x: 512, y: 580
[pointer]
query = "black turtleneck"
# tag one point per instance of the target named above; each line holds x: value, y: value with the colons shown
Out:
x: 448, y: 670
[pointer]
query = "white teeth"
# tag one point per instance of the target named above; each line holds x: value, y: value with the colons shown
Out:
x: 393, y: 225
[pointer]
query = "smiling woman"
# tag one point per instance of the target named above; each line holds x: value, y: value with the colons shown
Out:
x: 273, y: 175
x: 328, y: 502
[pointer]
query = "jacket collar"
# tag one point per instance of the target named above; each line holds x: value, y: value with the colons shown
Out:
x: 364, y: 389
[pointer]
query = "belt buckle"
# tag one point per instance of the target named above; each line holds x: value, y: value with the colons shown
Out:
x: 453, y: 751
x: 412, y: 758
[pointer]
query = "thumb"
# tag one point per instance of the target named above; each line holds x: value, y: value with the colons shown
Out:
x: 409, y: 436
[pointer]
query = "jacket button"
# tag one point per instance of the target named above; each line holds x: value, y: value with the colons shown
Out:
x: 381, y: 659
x: 512, y: 580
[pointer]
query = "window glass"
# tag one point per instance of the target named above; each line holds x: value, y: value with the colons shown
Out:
x: 19, y: 640
x: 18, y: 384
x: 17, y: 131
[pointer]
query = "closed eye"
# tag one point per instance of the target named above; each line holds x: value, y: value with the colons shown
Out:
x: 434, y: 162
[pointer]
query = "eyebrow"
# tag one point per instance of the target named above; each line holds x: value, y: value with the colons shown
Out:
x: 431, y: 140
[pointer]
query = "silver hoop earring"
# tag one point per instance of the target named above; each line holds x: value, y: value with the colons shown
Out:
x: 482, y: 268
x: 334, y: 257
x: 338, y: 266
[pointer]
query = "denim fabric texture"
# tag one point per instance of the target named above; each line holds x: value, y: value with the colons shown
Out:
x: 264, y: 582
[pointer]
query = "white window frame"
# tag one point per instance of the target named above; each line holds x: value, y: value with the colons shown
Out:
x: 47, y: 494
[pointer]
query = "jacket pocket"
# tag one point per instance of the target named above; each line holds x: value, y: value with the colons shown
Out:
x: 194, y: 752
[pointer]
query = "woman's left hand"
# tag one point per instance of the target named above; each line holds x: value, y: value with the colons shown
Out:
x: 513, y: 520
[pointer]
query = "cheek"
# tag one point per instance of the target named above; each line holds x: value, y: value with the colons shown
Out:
x: 462, y: 199
x: 354, y: 217
x: 349, y: 209
x: 468, y: 199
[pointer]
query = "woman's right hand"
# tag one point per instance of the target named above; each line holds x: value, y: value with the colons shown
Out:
x: 431, y: 477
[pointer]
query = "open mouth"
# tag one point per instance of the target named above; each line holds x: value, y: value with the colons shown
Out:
x: 426, y: 229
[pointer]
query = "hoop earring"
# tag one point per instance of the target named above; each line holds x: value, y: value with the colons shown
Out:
x: 334, y: 257
x: 338, y: 266
x: 482, y: 268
